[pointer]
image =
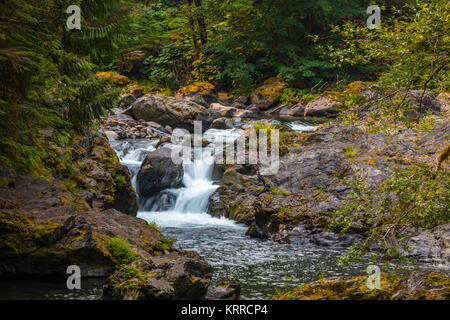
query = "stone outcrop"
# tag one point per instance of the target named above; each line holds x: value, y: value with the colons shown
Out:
x: 173, y: 276
x: 225, y: 290
x: 294, y: 205
x: 175, y: 112
x: 100, y: 179
x: 418, y: 286
x: 45, y: 228
x: 203, y: 93
x: 268, y: 94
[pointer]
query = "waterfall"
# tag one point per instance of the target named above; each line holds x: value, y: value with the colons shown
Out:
x: 186, y: 206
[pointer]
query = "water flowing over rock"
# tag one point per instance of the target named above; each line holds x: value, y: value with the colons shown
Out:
x: 159, y: 172
x: 174, y: 112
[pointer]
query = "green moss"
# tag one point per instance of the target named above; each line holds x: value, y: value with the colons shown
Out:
x: 349, y: 151
x: 70, y: 185
x: 154, y: 226
x: 120, y: 251
x: 280, y: 190
x: 120, y: 180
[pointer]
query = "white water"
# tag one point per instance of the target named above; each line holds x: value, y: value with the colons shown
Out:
x: 191, y: 201
x: 186, y: 206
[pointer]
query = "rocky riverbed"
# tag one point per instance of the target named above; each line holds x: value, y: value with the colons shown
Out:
x: 264, y: 231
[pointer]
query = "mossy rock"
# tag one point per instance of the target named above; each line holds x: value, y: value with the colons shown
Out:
x: 433, y: 285
x: 268, y: 94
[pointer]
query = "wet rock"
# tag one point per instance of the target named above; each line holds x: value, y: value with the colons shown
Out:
x: 159, y: 172
x: 234, y: 198
x: 431, y: 246
x: 222, y: 123
x: 302, y: 236
x: 174, y: 112
x: 172, y: 276
x: 226, y: 290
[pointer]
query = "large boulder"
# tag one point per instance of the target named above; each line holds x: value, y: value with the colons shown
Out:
x: 268, y: 94
x: 225, y: 290
x: 132, y: 61
x: 326, y: 105
x: 173, y: 276
x: 201, y: 92
x: 159, y: 172
x: 105, y: 182
x: 171, y: 111
x: 45, y: 228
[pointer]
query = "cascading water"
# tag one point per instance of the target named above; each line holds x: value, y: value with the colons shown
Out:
x: 191, y: 201
x: 260, y: 266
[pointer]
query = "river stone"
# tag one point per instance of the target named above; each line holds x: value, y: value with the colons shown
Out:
x: 324, y: 106
x: 172, y: 276
x: 226, y: 290
x: 159, y: 172
x: 175, y: 112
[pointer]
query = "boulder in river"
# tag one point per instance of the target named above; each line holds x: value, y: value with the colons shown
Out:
x: 172, y: 276
x: 159, y: 172
x: 225, y: 290
x: 174, y: 112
